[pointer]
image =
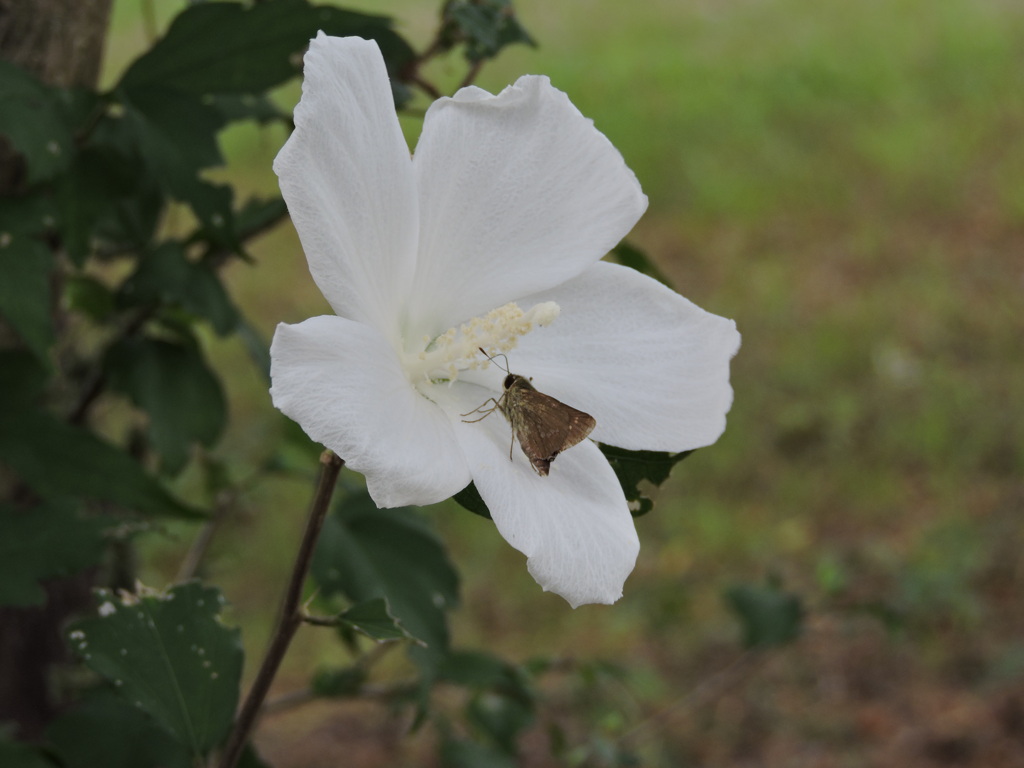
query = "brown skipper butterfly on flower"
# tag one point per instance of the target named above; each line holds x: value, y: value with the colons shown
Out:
x: 543, y: 425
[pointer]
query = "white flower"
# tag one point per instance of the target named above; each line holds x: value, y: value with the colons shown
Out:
x: 491, y: 236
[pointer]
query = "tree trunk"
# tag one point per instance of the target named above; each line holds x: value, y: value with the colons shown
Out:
x: 61, y: 43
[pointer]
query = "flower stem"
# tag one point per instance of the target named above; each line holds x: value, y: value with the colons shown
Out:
x: 291, y: 614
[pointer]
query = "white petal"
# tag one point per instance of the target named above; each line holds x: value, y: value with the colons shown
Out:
x: 650, y: 366
x: 347, y: 177
x: 341, y: 381
x: 518, y: 192
x: 573, y: 525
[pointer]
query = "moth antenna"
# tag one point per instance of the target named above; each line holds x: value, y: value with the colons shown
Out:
x: 500, y: 354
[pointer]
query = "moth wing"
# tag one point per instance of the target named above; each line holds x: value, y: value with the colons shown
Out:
x: 548, y: 426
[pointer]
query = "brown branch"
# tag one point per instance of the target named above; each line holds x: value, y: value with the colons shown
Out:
x: 426, y: 86
x: 384, y: 693
x: 472, y: 72
x: 201, y: 544
x: 706, y: 692
x: 291, y: 614
x: 98, y: 380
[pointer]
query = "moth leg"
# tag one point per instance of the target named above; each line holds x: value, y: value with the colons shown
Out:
x: 479, y: 409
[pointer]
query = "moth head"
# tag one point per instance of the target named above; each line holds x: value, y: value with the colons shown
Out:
x: 509, y: 380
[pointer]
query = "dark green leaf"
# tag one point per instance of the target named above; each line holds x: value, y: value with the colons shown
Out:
x: 477, y: 669
x: 500, y: 717
x: 96, y: 181
x: 132, y: 224
x: 503, y: 702
x: 44, y: 541
x: 260, y: 109
x: 630, y: 256
x: 769, y: 615
x: 173, y: 385
x: 168, y: 654
x: 339, y: 683
x: 469, y: 498
x: 256, y: 346
x: 366, y: 553
x: 486, y: 26
x: 89, y: 296
x: 22, y: 379
x: 638, y: 469
x: 25, y: 265
x: 105, y: 730
x: 34, y: 121
x: 231, y: 48
x: 457, y: 753
x: 373, y: 619
x: 32, y: 214
x: 251, y: 759
x: 15, y: 754
x: 211, y: 204
x: 58, y: 460
x: 166, y: 276
x: 175, y: 134
x: 258, y: 215
x: 174, y: 130
x: 132, y: 221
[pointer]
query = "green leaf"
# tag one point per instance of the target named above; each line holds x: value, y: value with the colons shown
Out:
x: 22, y: 379
x: 373, y: 619
x: 58, y: 460
x: 231, y: 48
x: 39, y: 543
x: 251, y: 759
x: 98, y: 179
x: 477, y: 669
x: 769, y: 616
x: 15, y: 754
x: 175, y: 134
x: 131, y: 222
x: 34, y: 121
x: 89, y: 296
x: 501, y: 718
x: 256, y: 347
x: 637, y: 470
x: 469, y: 498
x: 630, y: 256
x: 174, y: 130
x: 211, y: 204
x: 459, y: 753
x: 502, y: 704
x: 173, y: 385
x: 25, y: 265
x: 166, y: 276
x: 366, y: 553
x: 30, y: 214
x: 340, y: 683
x: 486, y: 26
x: 168, y: 654
x: 257, y: 215
x: 105, y: 730
x: 260, y: 109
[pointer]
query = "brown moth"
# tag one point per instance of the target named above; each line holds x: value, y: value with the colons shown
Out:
x: 543, y: 425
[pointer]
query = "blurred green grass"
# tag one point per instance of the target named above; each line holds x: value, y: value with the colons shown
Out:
x: 846, y: 180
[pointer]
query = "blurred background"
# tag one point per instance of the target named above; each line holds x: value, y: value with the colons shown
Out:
x: 846, y: 180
